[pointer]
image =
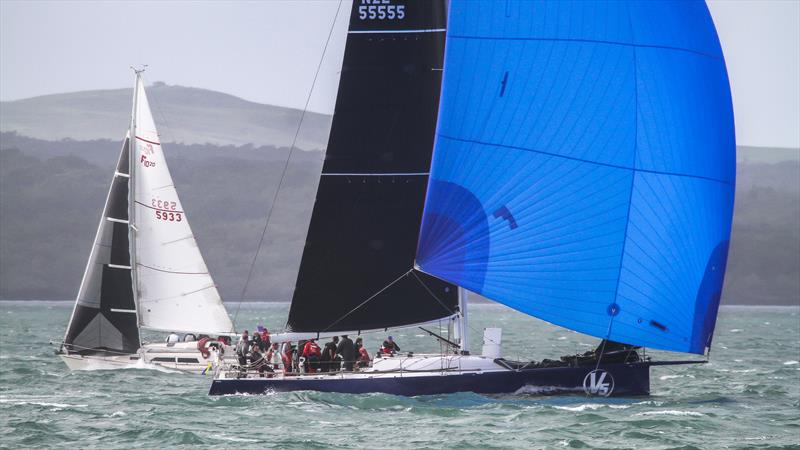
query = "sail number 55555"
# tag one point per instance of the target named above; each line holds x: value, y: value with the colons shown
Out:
x: 381, y: 10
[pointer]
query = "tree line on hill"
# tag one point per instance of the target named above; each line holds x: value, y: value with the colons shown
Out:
x: 52, y: 194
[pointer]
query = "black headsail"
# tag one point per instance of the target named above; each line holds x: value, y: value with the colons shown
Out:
x: 356, y: 272
x: 104, y: 318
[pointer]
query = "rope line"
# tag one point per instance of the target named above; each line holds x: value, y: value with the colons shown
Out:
x: 286, y: 164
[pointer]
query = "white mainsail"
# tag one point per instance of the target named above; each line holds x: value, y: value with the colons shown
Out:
x: 175, y: 292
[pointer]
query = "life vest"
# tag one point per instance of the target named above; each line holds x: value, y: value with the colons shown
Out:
x: 201, y: 345
x: 311, y: 349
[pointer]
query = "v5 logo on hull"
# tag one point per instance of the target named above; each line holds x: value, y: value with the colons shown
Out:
x: 598, y: 382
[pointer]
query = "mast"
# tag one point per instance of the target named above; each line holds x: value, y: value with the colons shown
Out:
x: 132, y: 194
x: 463, y: 320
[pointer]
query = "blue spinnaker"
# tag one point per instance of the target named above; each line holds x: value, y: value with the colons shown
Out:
x: 584, y: 166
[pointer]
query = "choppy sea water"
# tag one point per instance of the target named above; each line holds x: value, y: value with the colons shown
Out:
x: 748, y: 396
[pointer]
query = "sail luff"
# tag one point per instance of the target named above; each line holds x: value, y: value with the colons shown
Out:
x: 132, y: 197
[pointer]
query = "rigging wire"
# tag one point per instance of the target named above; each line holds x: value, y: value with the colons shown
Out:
x: 286, y: 164
x: 368, y: 300
x: 603, y: 347
x: 442, y: 303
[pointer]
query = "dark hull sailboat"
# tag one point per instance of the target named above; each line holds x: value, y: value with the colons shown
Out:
x: 582, y: 173
x: 619, y: 380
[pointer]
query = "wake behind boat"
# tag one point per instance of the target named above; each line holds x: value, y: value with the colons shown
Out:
x: 582, y: 173
x: 145, y: 269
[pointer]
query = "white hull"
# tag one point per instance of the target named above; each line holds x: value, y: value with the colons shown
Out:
x: 182, y: 356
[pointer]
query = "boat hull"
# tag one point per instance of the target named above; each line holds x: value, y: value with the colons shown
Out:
x: 628, y: 380
x: 183, y: 356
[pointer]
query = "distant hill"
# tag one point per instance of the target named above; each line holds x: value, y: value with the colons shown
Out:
x: 51, y: 194
x: 57, y: 154
x: 766, y: 155
x: 183, y: 114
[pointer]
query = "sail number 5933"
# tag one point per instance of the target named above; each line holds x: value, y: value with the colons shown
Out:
x: 168, y: 216
x: 162, y: 208
x: 381, y: 10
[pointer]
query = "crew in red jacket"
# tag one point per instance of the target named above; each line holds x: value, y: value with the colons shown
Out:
x: 312, y: 353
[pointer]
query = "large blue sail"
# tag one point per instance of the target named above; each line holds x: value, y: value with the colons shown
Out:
x: 584, y: 166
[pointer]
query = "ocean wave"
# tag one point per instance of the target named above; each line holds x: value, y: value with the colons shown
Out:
x: 538, y: 390
x: 671, y: 377
x: 21, y: 402
x: 670, y: 412
x: 591, y: 407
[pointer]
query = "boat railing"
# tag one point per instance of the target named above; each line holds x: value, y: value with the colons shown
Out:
x: 406, y: 364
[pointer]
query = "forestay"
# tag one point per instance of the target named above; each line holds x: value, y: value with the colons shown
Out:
x: 175, y: 290
x: 584, y: 166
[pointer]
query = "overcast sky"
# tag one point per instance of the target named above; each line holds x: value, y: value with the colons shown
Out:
x: 268, y: 52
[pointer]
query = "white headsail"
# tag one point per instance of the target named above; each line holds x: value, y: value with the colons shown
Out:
x: 175, y: 292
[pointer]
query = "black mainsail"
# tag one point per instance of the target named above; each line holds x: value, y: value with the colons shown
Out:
x: 104, y: 318
x: 356, y: 271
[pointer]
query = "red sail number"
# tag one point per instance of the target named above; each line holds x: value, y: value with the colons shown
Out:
x: 169, y: 216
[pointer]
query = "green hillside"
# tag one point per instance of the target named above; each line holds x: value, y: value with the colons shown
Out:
x: 183, y: 114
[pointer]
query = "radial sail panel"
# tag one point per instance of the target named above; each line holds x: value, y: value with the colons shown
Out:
x: 584, y: 166
x: 356, y: 270
x: 175, y: 290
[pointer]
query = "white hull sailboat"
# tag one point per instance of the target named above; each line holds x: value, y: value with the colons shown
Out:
x: 145, y: 269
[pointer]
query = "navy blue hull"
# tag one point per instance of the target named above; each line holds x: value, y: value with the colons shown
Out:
x: 628, y: 379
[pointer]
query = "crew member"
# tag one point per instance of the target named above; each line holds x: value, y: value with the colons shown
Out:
x: 390, y: 346
x: 328, y: 360
x: 312, y: 353
x: 347, y: 350
x: 242, y: 347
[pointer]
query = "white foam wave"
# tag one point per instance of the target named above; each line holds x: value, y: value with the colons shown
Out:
x: 791, y: 363
x: 670, y: 412
x: 670, y: 377
x: 590, y: 407
x: 20, y: 402
x: 233, y: 438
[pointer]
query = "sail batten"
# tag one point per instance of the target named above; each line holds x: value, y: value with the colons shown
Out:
x: 584, y: 166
